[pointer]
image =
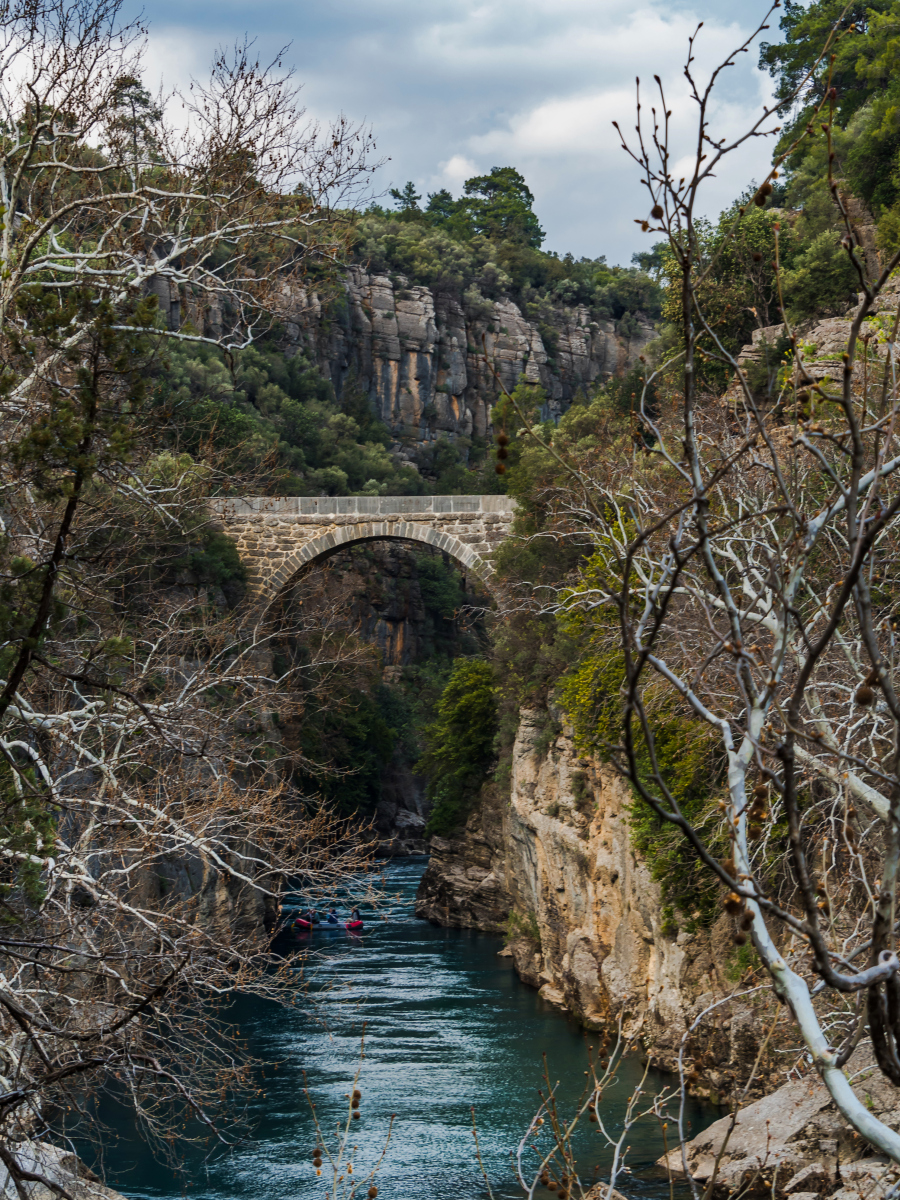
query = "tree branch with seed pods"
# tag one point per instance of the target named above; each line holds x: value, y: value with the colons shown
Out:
x: 744, y: 563
x: 148, y: 821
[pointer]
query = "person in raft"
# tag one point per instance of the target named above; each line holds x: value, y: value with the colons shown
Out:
x: 332, y: 916
x: 355, y: 917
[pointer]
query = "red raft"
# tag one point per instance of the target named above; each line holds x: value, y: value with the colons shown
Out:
x: 353, y: 926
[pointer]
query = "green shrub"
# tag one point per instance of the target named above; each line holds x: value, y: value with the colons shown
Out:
x: 687, y: 755
x: 460, y: 744
x: 440, y: 585
x: 216, y: 563
x: 522, y: 926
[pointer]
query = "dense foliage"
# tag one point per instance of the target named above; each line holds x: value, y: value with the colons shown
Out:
x: 802, y: 227
x: 486, y: 245
x: 271, y: 425
x: 459, y: 743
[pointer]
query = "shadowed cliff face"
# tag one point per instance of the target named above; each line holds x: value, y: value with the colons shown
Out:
x: 419, y: 356
x: 417, y: 611
x: 407, y: 599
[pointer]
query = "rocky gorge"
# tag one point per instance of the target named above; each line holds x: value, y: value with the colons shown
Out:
x: 419, y: 356
x: 553, y: 866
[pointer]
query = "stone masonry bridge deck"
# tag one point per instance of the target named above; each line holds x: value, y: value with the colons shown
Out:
x: 278, y: 537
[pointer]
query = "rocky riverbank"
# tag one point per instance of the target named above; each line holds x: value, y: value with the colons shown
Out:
x: 57, y: 1173
x: 793, y: 1143
x: 552, y: 865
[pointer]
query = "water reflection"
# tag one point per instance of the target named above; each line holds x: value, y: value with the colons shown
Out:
x: 448, y: 1025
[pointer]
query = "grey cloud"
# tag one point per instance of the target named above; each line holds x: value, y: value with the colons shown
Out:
x: 440, y: 79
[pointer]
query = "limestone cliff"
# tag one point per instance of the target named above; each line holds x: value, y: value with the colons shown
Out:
x: 587, y: 920
x: 419, y: 355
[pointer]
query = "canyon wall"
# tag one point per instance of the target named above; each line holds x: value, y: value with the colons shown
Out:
x: 419, y: 356
x: 417, y: 608
x: 587, y: 925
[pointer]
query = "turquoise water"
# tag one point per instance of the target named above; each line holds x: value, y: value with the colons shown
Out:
x: 448, y: 1026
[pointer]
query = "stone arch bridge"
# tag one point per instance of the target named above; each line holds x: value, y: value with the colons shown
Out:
x: 277, y: 537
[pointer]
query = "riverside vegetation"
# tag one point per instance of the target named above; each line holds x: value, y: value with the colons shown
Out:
x: 700, y: 598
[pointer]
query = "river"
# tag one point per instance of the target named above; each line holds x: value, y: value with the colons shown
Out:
x: 448, y: 1025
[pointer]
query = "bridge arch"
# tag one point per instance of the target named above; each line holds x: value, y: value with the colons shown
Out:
x: 375, y: 531
x: 277, y: 537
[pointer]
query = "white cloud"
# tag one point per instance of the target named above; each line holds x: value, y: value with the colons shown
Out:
x: 174, y: 56
x: 455, y: 171
x: 454, y: 87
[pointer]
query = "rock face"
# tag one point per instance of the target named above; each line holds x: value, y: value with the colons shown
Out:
x: 59, y: 1167
x: 376, y: 591
x: 587, y: 925
x: 794, y: 1143
x: 825, y: 341
x: 419, y: 356
x: 464, y: 885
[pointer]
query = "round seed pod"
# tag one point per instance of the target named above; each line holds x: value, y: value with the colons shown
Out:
x: 502, y: 439
x: 733, y: 903
x: 864, y: 696
x: 740, y: 939
x: 747, y: 921
x: 356, y: 1115
x: 500, y: 469
x: 357, y: 1094
x: 354, y: 1103
x: 372, y: 1192
x: 656, y: 212
x: 503, y: 452
x: 317, y: 1162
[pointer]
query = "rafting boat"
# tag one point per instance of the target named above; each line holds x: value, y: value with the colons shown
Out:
x: 353, y: 926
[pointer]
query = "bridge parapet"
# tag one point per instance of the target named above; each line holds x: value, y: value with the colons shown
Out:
x: 278, y: 536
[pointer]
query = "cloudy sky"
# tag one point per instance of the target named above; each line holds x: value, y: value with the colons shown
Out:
x: 454, y: 87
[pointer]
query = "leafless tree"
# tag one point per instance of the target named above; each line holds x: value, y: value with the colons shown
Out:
x: 744, y: 569
x: 145, y: 828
